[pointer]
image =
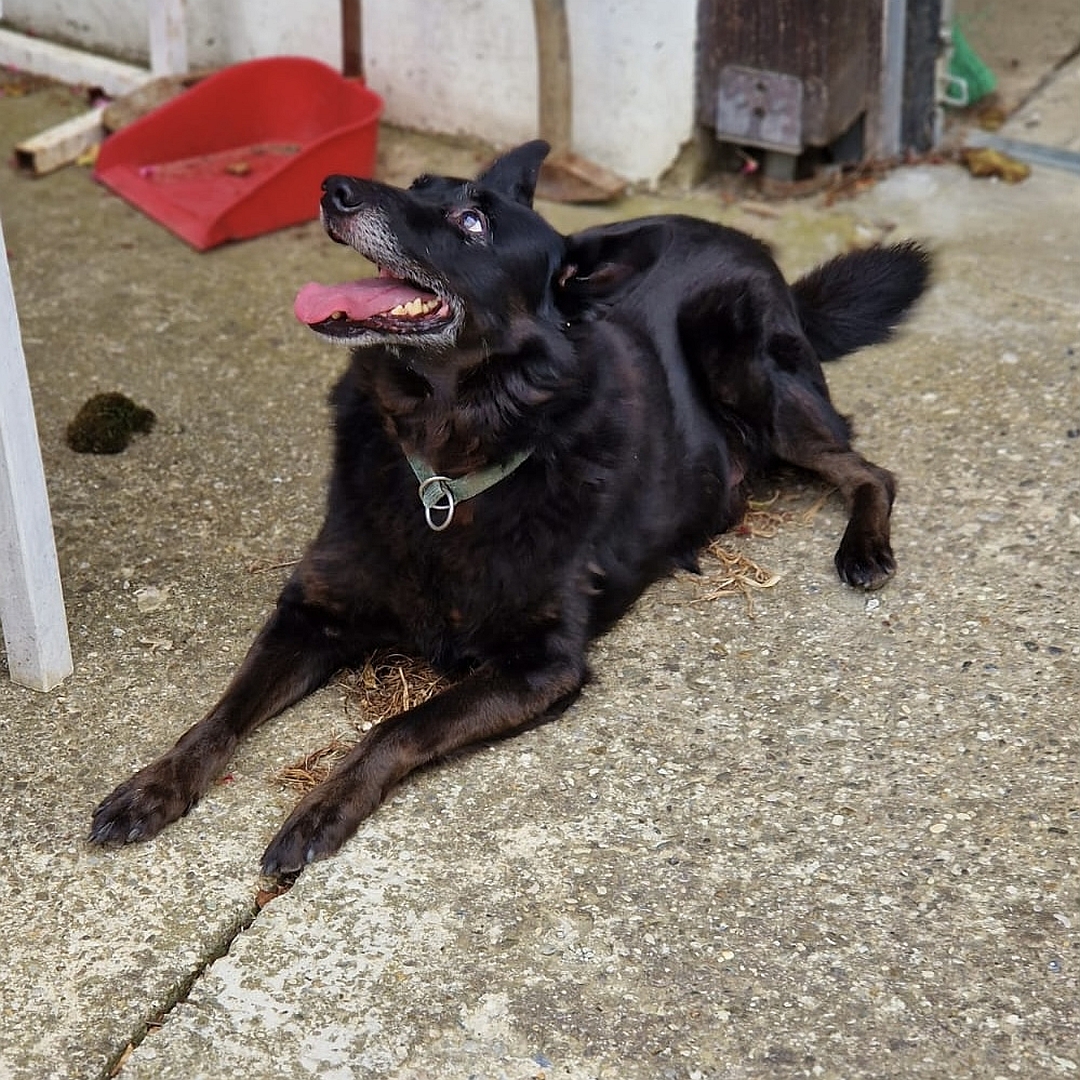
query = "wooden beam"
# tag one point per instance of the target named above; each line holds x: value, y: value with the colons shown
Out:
x: 31, y: 599
x: 61, y: 144
x: 352, y: 40
x: 69, y: 65
x: 168, y: 37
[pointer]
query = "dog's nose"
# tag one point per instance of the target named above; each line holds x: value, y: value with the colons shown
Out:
x: 342, y: 194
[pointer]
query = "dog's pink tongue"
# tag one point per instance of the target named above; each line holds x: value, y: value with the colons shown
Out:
x: 359, y: 300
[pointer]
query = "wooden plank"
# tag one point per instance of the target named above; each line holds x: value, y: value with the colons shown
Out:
x: 31, y: 599
x: 168, y: 37
x: 831, y: 46
x: 61, y: 144
x: 69, y: 65
x: 352, y: 40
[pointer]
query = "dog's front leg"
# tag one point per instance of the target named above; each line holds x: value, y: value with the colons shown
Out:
x: 296, y: 652
x: 485, y: 705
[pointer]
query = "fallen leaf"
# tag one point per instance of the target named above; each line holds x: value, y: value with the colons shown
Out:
x: 988, y: 162
x: 264, y: 896
x: 992, y: 117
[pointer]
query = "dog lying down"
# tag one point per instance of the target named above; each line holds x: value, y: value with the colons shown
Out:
x: 531, y: 430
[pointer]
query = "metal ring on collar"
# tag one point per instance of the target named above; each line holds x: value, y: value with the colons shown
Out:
x: 435, y: 494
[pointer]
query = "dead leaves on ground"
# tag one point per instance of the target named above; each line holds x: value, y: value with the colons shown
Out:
x: 734, y: 573
x: 985, y: 161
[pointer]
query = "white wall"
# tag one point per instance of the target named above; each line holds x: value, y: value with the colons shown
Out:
x: 219, y: 31
x: 456, y: 66
x: 471, y: 67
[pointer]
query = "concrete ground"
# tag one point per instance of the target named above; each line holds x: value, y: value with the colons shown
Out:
x: 837, y: 838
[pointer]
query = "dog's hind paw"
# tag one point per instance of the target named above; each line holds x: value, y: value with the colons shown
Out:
x: 863, y: 564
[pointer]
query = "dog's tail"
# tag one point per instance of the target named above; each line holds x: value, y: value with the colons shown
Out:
x: 860, y: 298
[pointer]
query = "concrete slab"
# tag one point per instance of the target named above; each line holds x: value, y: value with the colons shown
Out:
x: 1021, y: 44
x: 1052, y: 118
x: 836, y: 839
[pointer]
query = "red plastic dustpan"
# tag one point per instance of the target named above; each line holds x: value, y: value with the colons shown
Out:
x: 244, y: 151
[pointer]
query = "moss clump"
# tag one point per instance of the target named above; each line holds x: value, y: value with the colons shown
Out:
x: 106, y: 423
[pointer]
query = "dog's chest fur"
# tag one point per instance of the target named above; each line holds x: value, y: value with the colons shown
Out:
x: 508, y: 561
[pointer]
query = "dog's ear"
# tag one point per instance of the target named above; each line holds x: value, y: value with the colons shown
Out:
x: 604, y: 277
x: 514, y: 174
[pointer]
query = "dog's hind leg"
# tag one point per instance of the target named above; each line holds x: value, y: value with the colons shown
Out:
x: 491, y: 703
x: 295, y: 653
x: 810, y: 433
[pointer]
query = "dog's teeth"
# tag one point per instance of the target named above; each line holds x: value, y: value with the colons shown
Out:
x: 414, y: 307
x: 337, y: 314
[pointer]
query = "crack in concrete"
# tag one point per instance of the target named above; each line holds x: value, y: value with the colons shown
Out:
x: 218, y: 948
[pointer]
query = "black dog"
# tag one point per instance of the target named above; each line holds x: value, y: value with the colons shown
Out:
x: 532, y: 429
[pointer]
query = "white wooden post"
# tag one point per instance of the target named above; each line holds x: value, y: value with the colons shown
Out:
x: 168, y: 37
x: 31, y: 600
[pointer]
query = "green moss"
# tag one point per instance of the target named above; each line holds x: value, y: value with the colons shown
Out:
x: 106, y: 423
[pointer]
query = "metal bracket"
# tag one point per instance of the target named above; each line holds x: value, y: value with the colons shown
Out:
x: 760, y: 108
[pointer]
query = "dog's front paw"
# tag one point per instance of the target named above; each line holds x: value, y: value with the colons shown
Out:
x: 319, y: 825
x: 864, y: 563
x: 142, y: 806
x: 303, y: 839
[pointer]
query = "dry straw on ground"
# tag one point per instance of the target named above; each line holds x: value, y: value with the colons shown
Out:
x: 734, y: 572
x: 390, y: 683
x: 386, y: 685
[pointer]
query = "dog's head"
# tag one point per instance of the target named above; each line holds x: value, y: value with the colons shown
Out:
x: 456, y: 258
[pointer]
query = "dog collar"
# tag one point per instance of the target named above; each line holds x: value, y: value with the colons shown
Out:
x: 440, y: 494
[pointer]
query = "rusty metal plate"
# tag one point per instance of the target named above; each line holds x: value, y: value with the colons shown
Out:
x: 760, y: 108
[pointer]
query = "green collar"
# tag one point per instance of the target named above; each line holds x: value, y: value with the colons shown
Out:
x: 440, y: 494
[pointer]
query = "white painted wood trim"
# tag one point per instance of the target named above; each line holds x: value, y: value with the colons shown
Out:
x: 69, y: 65
x: 61, y: 144
x: 31, y: 599
x: 168, y: 37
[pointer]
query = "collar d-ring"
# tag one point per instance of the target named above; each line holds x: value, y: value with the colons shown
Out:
x: 439, y: 495
x: 437, y: 498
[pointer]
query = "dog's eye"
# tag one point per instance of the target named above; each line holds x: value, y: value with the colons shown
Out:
x: 470, y: 221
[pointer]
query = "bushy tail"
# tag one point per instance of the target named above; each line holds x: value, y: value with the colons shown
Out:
x: 859, y: 298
